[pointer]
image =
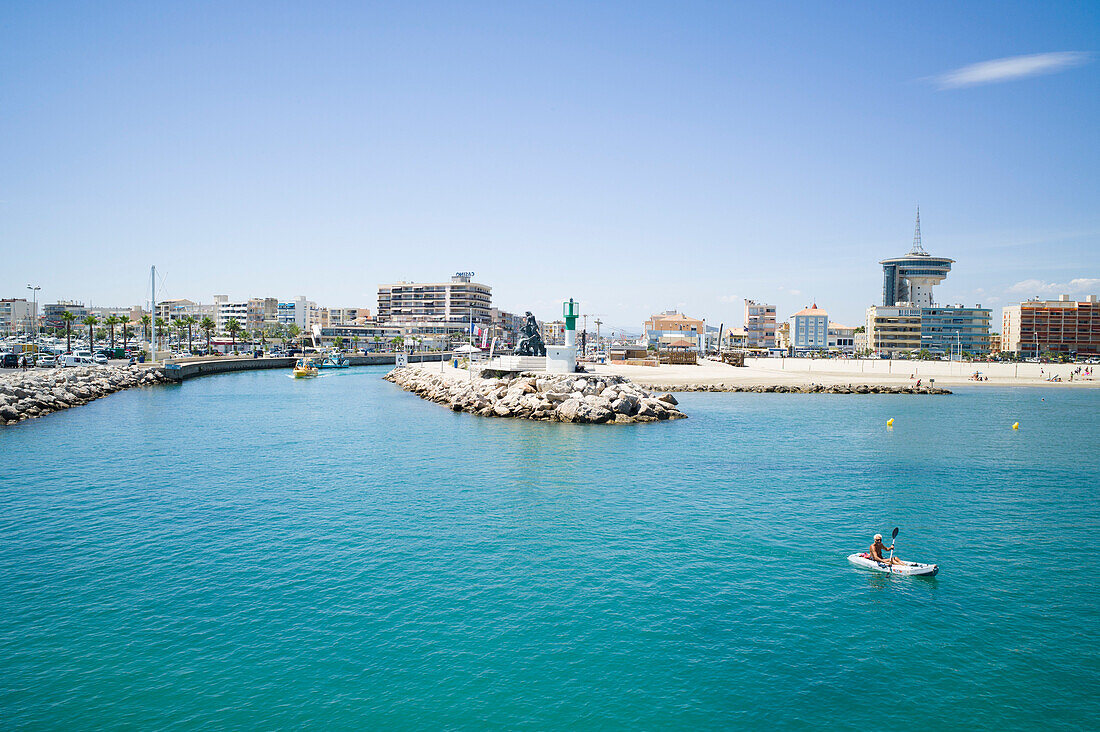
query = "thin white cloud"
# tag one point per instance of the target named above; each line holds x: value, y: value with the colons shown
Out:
x: 1010, y: 68
x: 1039, y: 287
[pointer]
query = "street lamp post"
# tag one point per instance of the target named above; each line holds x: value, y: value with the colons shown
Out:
x: 34, y: 309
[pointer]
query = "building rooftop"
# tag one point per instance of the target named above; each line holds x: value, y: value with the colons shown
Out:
x: 812, y: 310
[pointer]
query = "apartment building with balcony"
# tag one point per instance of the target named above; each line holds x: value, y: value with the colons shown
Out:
x: 299, y: 311
x: 459, y: 301
x: 1065, y: 325
x: 893, y: 330
x: 760, y: 325
x: 955, y: 329
x: 17, y: 314
x: 224, y: 311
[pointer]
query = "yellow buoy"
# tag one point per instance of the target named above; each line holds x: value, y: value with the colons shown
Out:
x: 1015, y: 425
x: 890, y: 422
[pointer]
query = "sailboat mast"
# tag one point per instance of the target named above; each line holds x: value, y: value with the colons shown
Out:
x: 152, y: 314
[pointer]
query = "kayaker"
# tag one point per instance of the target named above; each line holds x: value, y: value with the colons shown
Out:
x: 877, y: 550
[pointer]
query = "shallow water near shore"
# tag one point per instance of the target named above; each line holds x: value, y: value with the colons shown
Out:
x: 254, y: 551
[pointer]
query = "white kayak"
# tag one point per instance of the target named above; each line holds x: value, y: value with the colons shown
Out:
x: 908, y: 568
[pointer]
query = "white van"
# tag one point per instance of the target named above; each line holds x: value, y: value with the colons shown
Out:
x: 75, y: 359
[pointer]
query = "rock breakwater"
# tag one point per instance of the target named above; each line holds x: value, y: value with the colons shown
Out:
x: 585, y: 399
x: 805, y: 388
x: 28, y: 394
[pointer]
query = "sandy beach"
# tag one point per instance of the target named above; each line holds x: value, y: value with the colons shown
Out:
x: 804, y: 372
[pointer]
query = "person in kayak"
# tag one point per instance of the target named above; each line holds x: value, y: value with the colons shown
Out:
x: 877, y: 550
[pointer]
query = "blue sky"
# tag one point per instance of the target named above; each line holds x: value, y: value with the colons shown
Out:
x: 635, y: 156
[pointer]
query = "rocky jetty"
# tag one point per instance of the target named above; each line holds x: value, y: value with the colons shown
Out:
x: 37, y: 392
x: 585, y: 399
x: 806, y: 388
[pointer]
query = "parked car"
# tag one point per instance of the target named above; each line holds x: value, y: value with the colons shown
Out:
x: 100, y: 359
x: 76, y: 359
x: 46, y: 361
x: 10, y: 361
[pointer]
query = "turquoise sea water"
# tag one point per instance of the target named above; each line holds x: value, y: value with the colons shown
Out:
x: 251, y: 551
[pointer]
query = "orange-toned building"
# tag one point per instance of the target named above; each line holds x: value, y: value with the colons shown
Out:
x: 669, y: 326
x: 1062, y: 326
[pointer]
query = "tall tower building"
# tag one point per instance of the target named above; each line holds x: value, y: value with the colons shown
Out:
x: 910, y: 278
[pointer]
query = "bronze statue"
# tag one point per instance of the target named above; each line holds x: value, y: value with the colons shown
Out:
x: 529, y: 340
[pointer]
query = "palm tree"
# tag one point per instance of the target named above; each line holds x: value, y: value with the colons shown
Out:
x: 189, y: 321
x: 232, y: 327
x: 111, y: 321
x: 181, y: 328
x: 293, y: 330
x: 145, y: 322
x: 67, y: 318
x: 377, y: 341
x: 160, y: 328
x: 127, y: 331
x: 90, y: 321
x: 207, y: 325
x: 338, y: 343
x: 355, y: 343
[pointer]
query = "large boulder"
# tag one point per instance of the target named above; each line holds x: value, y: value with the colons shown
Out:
x: 569, y: 410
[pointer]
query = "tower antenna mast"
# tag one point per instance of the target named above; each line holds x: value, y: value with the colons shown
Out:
x: 918, y: 248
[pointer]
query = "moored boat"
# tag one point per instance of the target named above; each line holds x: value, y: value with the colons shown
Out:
x: 334, y: 360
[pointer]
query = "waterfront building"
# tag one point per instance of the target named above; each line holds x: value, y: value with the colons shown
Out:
x: 553, y: 332
x: 939, y: 329
x: 1062, y: 326
x: 173, y: 310
x: 735, y: 338
x: 17, y: 314
x: 366, y: 336
x: 955, y: 329
x: 893, y: 330
x: 809, y: 330
x: 760, y: 324
x: 506, y: 325
x: 263, y: 312
x: 862, y: 343
x: 105, y: 312
x: 299, y: 311
x: 51, y: 312
x: 671, y: 326
x: 344, y: 316
x: 783, y: 336
x: 842, y: 338
x: 460, y: 300
x: 224, y: 311
x: 910, y: 278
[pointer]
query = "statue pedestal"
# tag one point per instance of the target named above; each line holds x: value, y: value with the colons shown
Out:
x: 518, y: 363
x: 561, y: 359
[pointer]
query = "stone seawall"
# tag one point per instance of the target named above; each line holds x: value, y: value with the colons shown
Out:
x: 34, y: 393
x: 189, y: 368
x: 805, y: 389
x: 545, y: 397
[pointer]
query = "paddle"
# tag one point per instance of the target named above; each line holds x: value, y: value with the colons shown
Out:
x: 893, y: 536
